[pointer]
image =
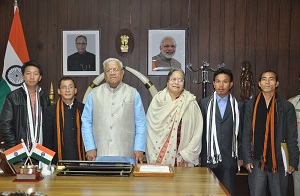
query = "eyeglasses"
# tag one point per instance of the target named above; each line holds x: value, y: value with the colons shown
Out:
x: 71, y: 87
x: 180, y: 80
x: 116, y: 70
x: 82, y: 44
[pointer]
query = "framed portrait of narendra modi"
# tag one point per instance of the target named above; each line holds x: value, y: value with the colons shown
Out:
x: 166, y: 50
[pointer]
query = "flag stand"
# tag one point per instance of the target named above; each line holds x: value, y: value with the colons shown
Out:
x: 28, y: 171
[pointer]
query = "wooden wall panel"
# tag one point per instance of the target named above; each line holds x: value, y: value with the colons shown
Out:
x: 142, y: 47
x: 194, y: 44
x: 215, y: 43
x: 61, y: 24
x: 214, y: 39
x: 283, y: 46
x: 199, y: 36
x: 165, y: 13
x: 44, y: 39
x: 294, y: 67
x: 229, y: 40
x: 266, y: 33
x: 272, y: 34
x: 103, y: 11
x: 240, y: 42
x: 251, y: 36
x: 261, y: 51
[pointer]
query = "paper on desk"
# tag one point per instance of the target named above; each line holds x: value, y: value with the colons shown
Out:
x: 154, y: 168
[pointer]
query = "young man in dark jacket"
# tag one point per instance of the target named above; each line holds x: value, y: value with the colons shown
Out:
x: 21, y: 116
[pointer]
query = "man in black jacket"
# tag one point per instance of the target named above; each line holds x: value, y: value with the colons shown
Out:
x: 269, y: 121
x: 21, y: 116
x: 62, y: 124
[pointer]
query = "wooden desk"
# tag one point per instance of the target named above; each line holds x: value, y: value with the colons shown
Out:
x: 186, y: 182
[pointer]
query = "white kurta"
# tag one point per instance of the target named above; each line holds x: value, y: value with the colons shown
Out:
x: 113, y: 120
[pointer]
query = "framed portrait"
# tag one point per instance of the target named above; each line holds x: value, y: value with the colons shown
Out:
x: 166, y: 50
x: 81, y: 52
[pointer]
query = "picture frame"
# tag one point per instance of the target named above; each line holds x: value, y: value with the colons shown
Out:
x: 81, y: 58
x: 155, y: 36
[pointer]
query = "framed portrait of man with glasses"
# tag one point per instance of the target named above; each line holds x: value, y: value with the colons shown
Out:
x: 166, y: 50
x: 81, y: 52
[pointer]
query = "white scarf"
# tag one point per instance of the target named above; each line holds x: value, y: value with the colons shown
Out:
x: 213, y: 150
x: 163, y: 118
x: 35, y: 128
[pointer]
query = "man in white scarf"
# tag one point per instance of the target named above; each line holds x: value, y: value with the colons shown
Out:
x: 223, y: 124
x: 21, y: 116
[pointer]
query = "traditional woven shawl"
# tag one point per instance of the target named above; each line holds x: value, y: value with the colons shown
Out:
x: 34, y: 123
x: 270, y: 122
x: 213, y: 150
x: 60, y: 119
x: 163, y: 118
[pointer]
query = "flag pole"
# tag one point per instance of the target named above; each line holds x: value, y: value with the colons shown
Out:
x: 28, y: 155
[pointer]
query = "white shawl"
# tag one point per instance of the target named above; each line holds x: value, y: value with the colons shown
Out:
x: 163, y: 118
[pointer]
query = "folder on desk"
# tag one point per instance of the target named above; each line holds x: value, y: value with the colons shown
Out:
x: 93, y: 168
x: 285, y: 156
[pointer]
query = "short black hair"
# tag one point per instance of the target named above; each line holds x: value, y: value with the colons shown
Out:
x: 272, y: 71
x: 223, y: 71
x: 64, y: 79
x: 32, y: 63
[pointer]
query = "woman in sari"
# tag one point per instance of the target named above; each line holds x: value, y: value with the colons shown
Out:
x: 174, y: 125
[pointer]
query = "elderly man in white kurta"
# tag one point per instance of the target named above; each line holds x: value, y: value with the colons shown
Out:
x: 113, y: 120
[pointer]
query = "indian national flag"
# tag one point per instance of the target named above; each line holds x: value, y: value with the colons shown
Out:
x: 15, y: 56
x: 15, y: 153
x: 42, y: 153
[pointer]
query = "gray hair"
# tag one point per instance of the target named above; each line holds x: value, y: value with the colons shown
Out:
x: 112, y: 59
x: 165, y: 38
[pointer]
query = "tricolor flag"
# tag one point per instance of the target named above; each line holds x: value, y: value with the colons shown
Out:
x: 15, y: 56
x: 16, y: 153
x: 42, y: 153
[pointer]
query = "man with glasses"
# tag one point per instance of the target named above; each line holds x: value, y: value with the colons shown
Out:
x: 82, y: 60
x: 62, y: 124
x: 164, y: 61
x: 113, y: 119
